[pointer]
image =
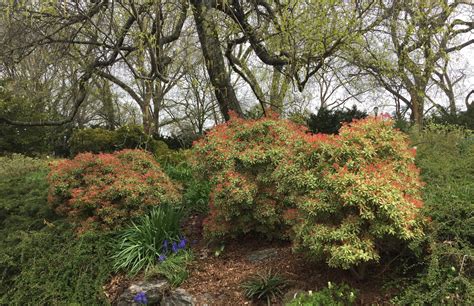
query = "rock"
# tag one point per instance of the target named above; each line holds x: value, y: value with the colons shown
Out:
x: 178, y: 297
x: 154, y: 290
x: 262, y: 255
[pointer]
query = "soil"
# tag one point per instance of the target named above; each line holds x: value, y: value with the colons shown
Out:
x: 216, y: 280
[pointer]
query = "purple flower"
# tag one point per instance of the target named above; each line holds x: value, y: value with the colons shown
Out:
x: 165, y: 246
x: 174, y: 247
x: 182, y: 243
x: 140, y: 298
x: 162, y: 257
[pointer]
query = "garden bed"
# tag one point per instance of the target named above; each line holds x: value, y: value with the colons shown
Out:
x: 216, y: 280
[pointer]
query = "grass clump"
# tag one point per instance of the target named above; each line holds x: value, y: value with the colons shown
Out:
x: 141, y: 245
x: 266, y: 286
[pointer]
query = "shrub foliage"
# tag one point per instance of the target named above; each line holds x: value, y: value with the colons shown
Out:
x: 105, y: 190
x: 240, y: 158
x: 446, y: 263
x: 354, y: 192
x: 346, y: 195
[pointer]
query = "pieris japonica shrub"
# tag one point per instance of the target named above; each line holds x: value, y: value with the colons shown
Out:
x: 239, y: 158
x: 105, y: 190
x: 354, y: 192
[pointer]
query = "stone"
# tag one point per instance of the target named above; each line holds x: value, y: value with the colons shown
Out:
x: 178, y: 297
x: 154, y: 290
x: 261, y: 255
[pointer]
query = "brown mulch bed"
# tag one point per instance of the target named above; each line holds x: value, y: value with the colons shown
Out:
x: 216, y: 280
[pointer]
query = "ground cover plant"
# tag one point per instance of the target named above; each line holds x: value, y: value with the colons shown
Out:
x: 103, y: 191
x: 445, y: 260
x: 41, y: 259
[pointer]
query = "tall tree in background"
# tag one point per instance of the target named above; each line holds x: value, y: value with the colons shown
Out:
x: 404, y: 51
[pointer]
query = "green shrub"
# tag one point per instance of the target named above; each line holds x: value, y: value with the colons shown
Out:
x: 239, y: 159
x: 266, y: 286
x: 140, y: 245
x: 106, y: 190
x: 336, y: 295
x: 99, y: 140
x: 174, y: 268
x: 445, y: 157
x: 92, y: 140
x: 355, y: 192
x: 330, y: 121
x: 195, y: 189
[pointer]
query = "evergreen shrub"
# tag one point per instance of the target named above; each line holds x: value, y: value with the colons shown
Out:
x: 105, y: 190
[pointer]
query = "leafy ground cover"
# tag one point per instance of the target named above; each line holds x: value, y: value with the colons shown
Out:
x: 41, y: 259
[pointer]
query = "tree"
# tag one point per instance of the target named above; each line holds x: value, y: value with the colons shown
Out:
x: 403, y: 52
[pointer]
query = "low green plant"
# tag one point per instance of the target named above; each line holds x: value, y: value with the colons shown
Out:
x: 52, y: 266
x: 265, y: 286
x: 195, y: 190
x: 336, y: 295
x: 42, y: 261
x: 174, y: 268
x: 140, y: 245
x: 443, y: 267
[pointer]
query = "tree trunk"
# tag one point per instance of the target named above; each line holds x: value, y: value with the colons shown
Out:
x: 157, y: 103
x: 417, y: 107
x: 108, y: 104
x: 214, y: 59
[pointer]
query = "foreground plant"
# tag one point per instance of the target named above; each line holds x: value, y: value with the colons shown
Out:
x: 336, y: 295
x: 174, y: 267
x: 265, y: 286
x: 356, y: 193
x: 103, y: 191
x: 149, y: 240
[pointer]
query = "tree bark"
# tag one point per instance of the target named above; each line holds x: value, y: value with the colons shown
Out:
x: 214, y: 60
x: 417, y: 107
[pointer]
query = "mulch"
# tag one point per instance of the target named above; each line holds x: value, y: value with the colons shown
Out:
x: 216, y: 280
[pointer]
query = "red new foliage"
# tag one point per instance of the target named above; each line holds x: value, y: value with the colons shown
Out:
x: 106, y: 190
x: 239, y: 157
x: 366, y: 191
x: 344, y: 195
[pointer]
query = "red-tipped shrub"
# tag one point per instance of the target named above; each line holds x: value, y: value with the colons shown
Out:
x: 365, y: 191
x: 106, y: 190
x: 239, y: 157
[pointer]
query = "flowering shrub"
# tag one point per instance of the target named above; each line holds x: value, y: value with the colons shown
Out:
x: 354, y: 191
x: 105, y: 190
x: 239, y: 157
